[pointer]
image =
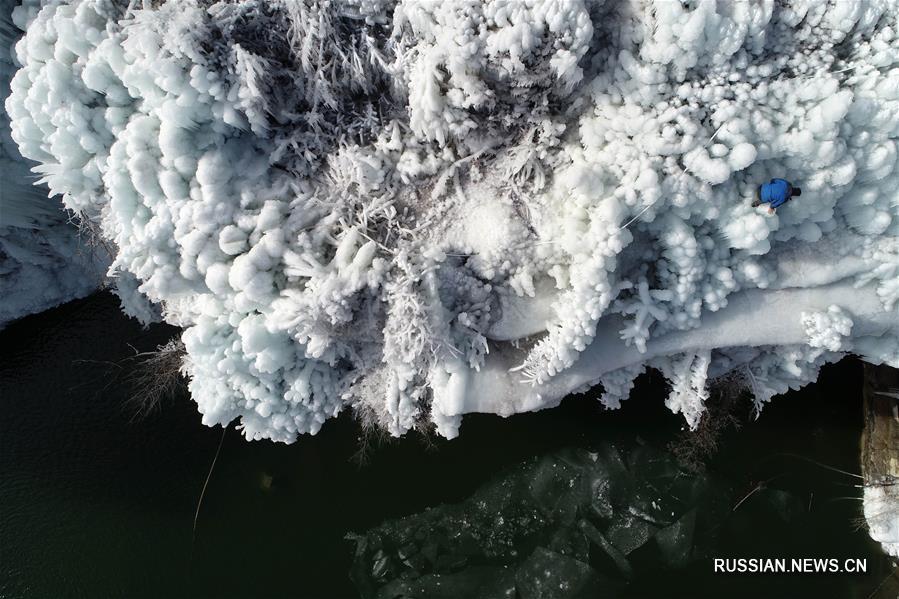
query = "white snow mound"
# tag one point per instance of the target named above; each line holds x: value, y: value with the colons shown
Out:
x: 426, y: 209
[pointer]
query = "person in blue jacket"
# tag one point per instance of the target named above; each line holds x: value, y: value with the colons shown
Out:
x: 775, y: 194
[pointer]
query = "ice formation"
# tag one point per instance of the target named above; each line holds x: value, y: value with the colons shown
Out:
x: 567, y: 524
x: 43, y: 261
x: 426, y: 209
x: 880, y: 507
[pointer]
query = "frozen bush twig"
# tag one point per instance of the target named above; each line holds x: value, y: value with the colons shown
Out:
x: 155, y: 377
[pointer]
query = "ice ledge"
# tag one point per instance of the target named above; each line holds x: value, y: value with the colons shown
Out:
x: 751, y: 318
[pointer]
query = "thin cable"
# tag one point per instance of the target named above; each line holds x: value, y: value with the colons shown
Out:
x: 652, y: 203
x: 206, y: 484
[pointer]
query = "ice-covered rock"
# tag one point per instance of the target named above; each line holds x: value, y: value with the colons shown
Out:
x: 429, y: 209
x: 44, y: 258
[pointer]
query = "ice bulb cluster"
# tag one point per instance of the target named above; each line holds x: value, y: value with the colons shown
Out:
x: 43, y: 258
x: 424, y: 209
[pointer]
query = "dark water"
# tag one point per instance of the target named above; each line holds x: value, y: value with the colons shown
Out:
x: 94, y: 504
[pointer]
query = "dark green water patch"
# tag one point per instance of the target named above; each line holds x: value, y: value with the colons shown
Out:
x: 94, y: 504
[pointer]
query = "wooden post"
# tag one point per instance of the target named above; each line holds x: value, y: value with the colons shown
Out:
x: 880, y: 464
